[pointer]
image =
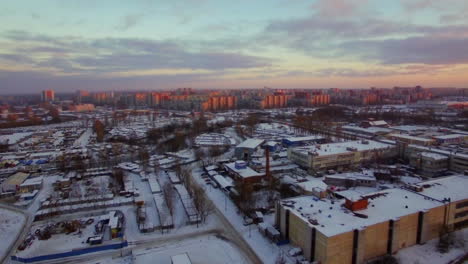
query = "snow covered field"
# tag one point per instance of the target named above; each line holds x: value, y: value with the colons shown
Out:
x: 10, y: 225
x: 206, y: 249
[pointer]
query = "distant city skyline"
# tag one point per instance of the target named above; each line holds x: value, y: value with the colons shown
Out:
x: 149, y: 45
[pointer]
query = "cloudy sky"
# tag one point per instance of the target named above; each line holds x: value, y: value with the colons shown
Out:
x: 150, y: 44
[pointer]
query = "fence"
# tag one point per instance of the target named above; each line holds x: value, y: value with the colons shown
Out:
x: 70, y: 253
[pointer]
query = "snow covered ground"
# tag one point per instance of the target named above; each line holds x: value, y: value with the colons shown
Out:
x: 11, y: 223
x: 209, y: 249
x: 266, y: 250
x: 83, y: 140
x: 428, y: 253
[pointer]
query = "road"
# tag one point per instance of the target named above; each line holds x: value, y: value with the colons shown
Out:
x: 19, y: 237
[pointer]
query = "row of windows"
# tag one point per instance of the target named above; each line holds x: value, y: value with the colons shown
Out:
x: 461, y: 214
x: 462, y: 204
x: 461, y: 224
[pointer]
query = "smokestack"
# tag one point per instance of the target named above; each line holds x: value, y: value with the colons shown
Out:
x: 267, y: 167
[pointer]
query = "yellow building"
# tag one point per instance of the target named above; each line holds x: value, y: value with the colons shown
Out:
x: 392, y: 219
x: 340, y: 155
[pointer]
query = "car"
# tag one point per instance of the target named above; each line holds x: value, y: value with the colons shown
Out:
x: 247, y: 221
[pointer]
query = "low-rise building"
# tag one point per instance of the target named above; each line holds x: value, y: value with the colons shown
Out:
x: 239, y: 171
x: 407, y: 139
x: 451, y: 139
x: 428, y: 163
x: 349, y: 180
x: 12, y: 184
x: 245, y: 149
x: 340, y: 155
x: 31, y: 184
x: 372, y: 225
x: 299, y: 141
x: 457, y: 160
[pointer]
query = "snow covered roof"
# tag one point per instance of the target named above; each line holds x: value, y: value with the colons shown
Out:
x: 434, y: 156
x: 411, y: 137
x: 343, y: 147
x: 250, y: 143
x: 333, y: 219
x: 453, y: 187
x: 225, y: 183
x: 307, y: 138
x: 378, y: 123
x: 181, y: 259
x: 351, y: 175
x: 451, y: 136
x: 244, y: 173
x: 409, y: 128
x: 14, y: 138
x: 368, y: 130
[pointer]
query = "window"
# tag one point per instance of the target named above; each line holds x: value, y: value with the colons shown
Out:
x: 461, y: 214
x: 461, y: 205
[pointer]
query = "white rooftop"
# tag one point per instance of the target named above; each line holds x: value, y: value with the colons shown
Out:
x: 307, y: 138
x: 343, y: 147
x: 411, y: 137
x: 250, y: 143
x: 181, y: 259
x: 244, y: 173
x: 334, y: 219
x: 453, y: 187
x: 433, y: 155
x: 451, y: 136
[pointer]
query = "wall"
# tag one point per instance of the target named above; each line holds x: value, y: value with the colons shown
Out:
x: 71, y: 253
x: 374, y: 240
x: 339, y: 249
x: 433, y: 223
x: 300, y: 234
x: 405, y: 231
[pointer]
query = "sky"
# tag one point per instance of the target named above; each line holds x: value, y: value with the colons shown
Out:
x: 216, y: 44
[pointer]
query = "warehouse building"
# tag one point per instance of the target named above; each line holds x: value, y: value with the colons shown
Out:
x: 340, y: 155
x: 429, y: 164
x: 457, y: 161
x: 12, y: 184
x: 245, y: 149
x: 355, y: 230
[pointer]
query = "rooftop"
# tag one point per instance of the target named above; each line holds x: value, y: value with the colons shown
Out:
x: 250, y: 143
x: 411, y: 137
x: 307, y: 138
x: 343, y: 147
x: 453, y: 187
x: 332, y: 218
x: 244, y: 173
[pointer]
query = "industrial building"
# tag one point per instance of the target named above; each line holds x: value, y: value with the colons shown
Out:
x: 357, y: 229
x: 457, y: 160
x: 340, y: 155
x: 245, y: 149
x: 239, y: 171
x: 300, y: 141
x: 429, y: 164
x: 13, y: 183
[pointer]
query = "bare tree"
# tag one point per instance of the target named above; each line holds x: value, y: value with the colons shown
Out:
x: 184, y: 176
x: 168, y: 192
x: 202, y: 204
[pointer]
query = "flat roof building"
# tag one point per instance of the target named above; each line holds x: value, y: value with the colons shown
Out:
x: 340, y: 155
x: 360, y: 228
